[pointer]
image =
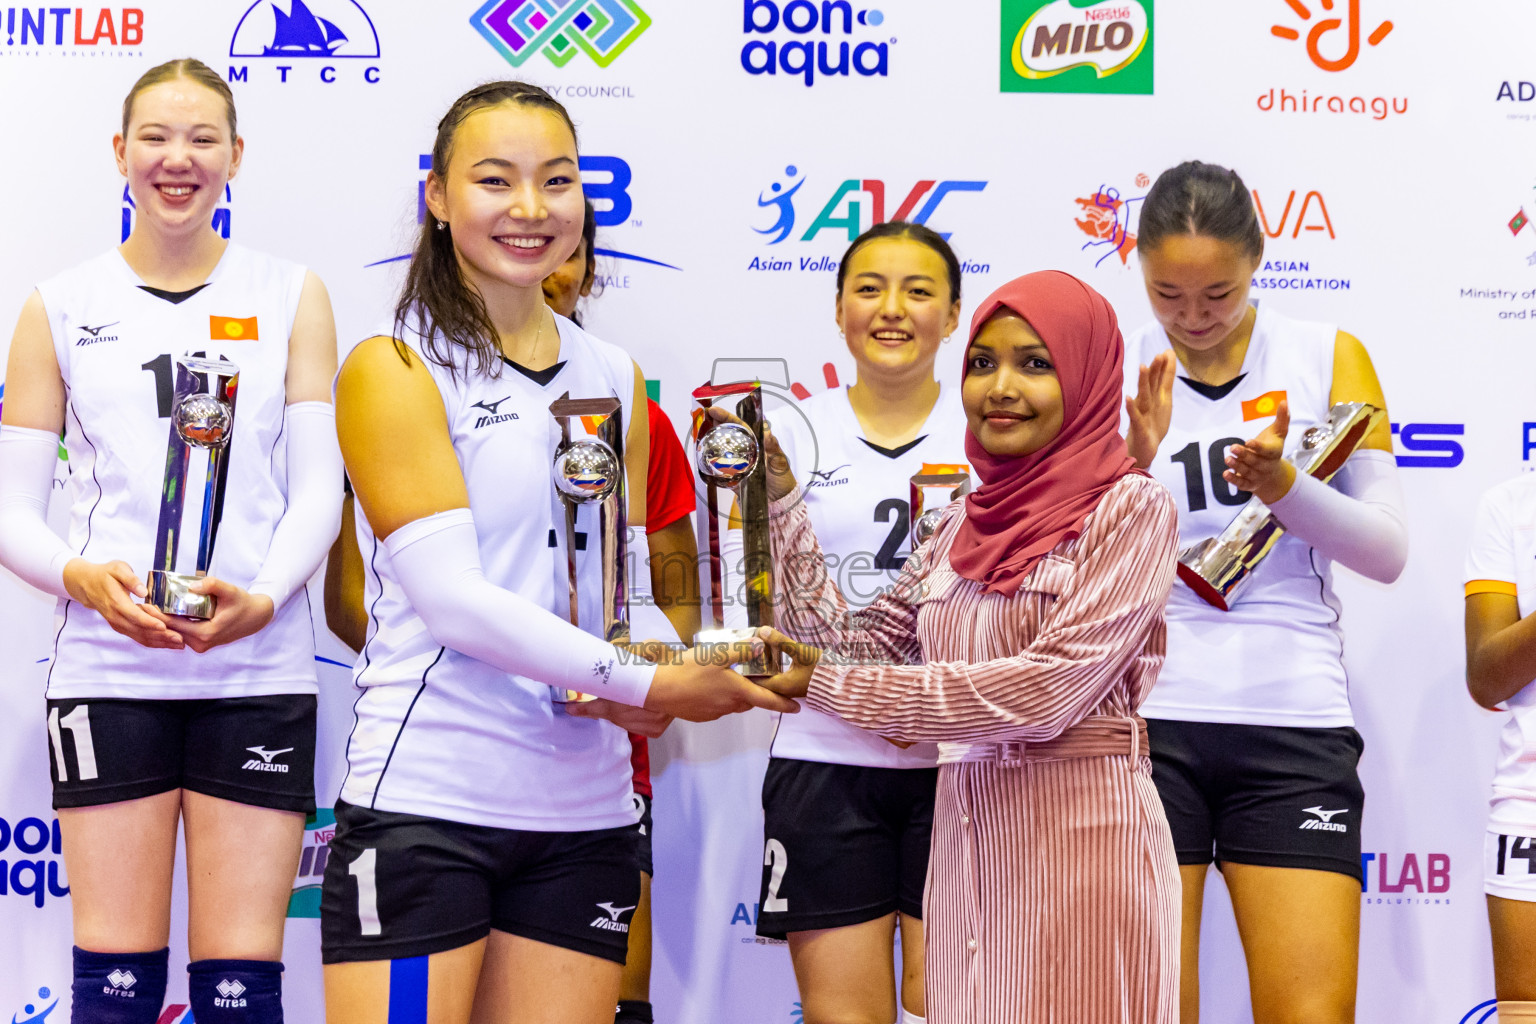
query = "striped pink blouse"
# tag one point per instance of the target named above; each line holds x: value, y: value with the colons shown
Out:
x: 1053, y: 893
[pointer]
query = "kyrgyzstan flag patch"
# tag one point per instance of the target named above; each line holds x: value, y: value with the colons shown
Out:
x: 1266, y: 404
x: 232, y: 328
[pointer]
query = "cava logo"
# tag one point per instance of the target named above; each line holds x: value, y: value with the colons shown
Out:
x: 560, y: 29
x: 1077, y: 46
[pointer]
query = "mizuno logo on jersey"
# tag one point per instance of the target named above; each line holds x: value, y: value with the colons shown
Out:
x: 824, y: 479
x: 491, y: 415
x: 265, y: 764
x: 611, y: 923
x: 1324, y: 821
x: 93, y: 335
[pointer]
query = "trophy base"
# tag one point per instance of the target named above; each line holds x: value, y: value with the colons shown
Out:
x: 558, y: 695
x: 170, y: 592
x: 760, y: 667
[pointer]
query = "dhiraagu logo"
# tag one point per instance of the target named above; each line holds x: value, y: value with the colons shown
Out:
x: 1100, y: 46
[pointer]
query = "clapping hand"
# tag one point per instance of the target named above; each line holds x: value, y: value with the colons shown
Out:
x: 1256, y: 466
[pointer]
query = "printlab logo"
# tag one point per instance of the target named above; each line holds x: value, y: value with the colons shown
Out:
x: 812, y: 39
x: 73, y: 30
x: 844, y: 211
x: 221, y: 216
x: 332, y: 30
x: 560, y: 29
x: 319, y: 830
x: 1330, y: 52
x: 1102, y: 46
x: 36, y: 1012
x: 1413, y: 878
x: 1106, y: 218
x: 605, y: 180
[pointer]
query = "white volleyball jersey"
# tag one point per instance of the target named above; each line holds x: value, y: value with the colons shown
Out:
x: 440, y: 733
x: 117, y: 346
x: 859, y: 499
x: 1277, y: 657
x: 1502, y: 560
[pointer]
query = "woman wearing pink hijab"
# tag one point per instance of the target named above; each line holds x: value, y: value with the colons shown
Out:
x: 1022, y: 637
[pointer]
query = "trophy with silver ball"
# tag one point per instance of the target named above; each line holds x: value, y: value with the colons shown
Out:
x: 933, y: 488
x: 202, y: 421
x: 731, y: 455
x: 589, y: 470
x: 1218, y: 568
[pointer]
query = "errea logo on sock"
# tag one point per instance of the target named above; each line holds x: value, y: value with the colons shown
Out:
x: 120, y: 982
x: 230, y: 992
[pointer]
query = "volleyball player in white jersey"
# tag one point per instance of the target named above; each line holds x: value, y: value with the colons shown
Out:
x: 1253, y: 744
x: 848, y: 815
x: 156, y: 720
x: 1501, y: 667
x: 484, y: 866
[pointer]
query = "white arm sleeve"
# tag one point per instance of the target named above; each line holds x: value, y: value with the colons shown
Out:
x: 437, y: 560
x: 27, y: 547
x: 313, y: 518
x: 1359, y: 525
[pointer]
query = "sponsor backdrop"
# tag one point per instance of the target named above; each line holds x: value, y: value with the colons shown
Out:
x: 734, y: 148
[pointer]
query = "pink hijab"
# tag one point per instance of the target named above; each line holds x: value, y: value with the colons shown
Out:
x: 1026, y: 505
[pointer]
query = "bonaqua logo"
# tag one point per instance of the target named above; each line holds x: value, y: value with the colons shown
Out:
x: 314, y: 34
x: 1102, y: 46
x: 813, y: 39
x: 23, y: 872
x: 560, y: 29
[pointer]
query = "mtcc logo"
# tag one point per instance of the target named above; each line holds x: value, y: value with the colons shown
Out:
x: 845, y: 210
x: 1100, y: 46
x: 334, y: 30
x: 812, y: 46
x: 560, y: 29
x: 1315, y: 34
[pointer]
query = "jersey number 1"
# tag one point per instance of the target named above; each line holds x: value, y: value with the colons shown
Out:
x: 1194, y: 476
x: 161, y: 367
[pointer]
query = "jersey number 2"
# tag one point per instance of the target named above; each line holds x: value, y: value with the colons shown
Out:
x: 777, y: 857
x: 1194, y: 476
x: 886, y: 557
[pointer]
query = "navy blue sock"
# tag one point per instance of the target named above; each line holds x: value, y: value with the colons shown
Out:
x: 119, y: 988
x: 633, y: 1011
x: 236, y: 991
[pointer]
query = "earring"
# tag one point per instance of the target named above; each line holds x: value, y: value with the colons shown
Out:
x: 442, y: 225
x: 944, y: 340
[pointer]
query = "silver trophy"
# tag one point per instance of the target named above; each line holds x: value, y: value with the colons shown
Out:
x: 202, y: 420
x: 932, y: 490
x: 589, y: 470
x: 1218, y: 568
x: 731, y: 455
